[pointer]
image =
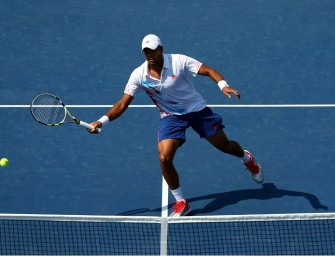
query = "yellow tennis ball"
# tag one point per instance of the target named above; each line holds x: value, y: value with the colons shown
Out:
x: 4, y: 162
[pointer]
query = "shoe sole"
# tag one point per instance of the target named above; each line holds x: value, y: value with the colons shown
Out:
x: 175, y: 216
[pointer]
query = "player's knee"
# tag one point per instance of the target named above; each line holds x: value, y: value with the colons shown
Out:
x: 165, y: 159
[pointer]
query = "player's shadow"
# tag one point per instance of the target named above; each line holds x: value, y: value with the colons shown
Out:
x: 221, y: 200
x: 268, y: 191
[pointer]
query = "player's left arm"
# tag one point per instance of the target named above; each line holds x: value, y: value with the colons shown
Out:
x: 217, y: 77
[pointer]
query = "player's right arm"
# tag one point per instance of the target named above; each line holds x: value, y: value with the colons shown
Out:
x: 114, y: 112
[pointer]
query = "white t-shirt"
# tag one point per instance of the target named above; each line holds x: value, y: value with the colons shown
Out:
x: 174, y: 93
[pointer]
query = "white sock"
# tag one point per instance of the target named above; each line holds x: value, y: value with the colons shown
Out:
x: 245, y: 158
x: 178, y: 194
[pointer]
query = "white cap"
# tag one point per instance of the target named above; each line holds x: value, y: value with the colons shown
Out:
x: 151, y: 41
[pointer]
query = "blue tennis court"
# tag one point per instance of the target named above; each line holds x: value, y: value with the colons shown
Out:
x: 278, y: 53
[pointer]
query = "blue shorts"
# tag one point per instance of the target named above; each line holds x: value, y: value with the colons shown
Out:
x: 204, y: 122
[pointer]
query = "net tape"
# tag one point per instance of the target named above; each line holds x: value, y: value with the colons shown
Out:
x: 294, y: 234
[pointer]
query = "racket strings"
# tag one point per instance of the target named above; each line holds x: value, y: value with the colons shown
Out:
x: 48, y: 110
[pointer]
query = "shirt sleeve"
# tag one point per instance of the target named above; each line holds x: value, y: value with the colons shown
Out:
x: 134, y: 83
x: 191, y: 66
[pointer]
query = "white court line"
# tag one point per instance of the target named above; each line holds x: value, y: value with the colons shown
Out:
x: 213, y: 106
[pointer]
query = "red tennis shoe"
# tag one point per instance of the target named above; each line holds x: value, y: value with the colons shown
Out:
x: 180, y: 208
x: 254, y: 168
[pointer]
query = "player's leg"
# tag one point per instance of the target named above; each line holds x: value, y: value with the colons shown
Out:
x: 166, y: 150
x: 209, y: 125
x: 171, y: 136
x: 222, y: 143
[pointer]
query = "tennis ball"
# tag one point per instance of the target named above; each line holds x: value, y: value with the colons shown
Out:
x: 4, y: 162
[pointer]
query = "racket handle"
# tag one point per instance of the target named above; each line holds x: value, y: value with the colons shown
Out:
x: 88, y: 126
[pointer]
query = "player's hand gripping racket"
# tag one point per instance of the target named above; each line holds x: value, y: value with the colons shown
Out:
x: 49, y: 110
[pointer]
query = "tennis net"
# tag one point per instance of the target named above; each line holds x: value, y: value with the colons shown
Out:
x: 279, y: 234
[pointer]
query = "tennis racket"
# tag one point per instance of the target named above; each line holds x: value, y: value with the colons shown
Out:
x: 49, y: 110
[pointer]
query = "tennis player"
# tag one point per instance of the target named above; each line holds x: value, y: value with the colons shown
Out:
x: 167, y: 79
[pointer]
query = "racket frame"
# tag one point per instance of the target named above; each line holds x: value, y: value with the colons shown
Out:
x: 67, y: 113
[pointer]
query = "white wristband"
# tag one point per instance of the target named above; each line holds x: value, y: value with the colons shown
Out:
x: 222, y: 84
x: 104, y: 120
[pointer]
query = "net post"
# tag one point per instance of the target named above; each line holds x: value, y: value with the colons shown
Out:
x: 164, y: 217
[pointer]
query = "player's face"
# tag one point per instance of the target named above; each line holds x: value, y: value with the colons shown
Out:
x: 154, y: 57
